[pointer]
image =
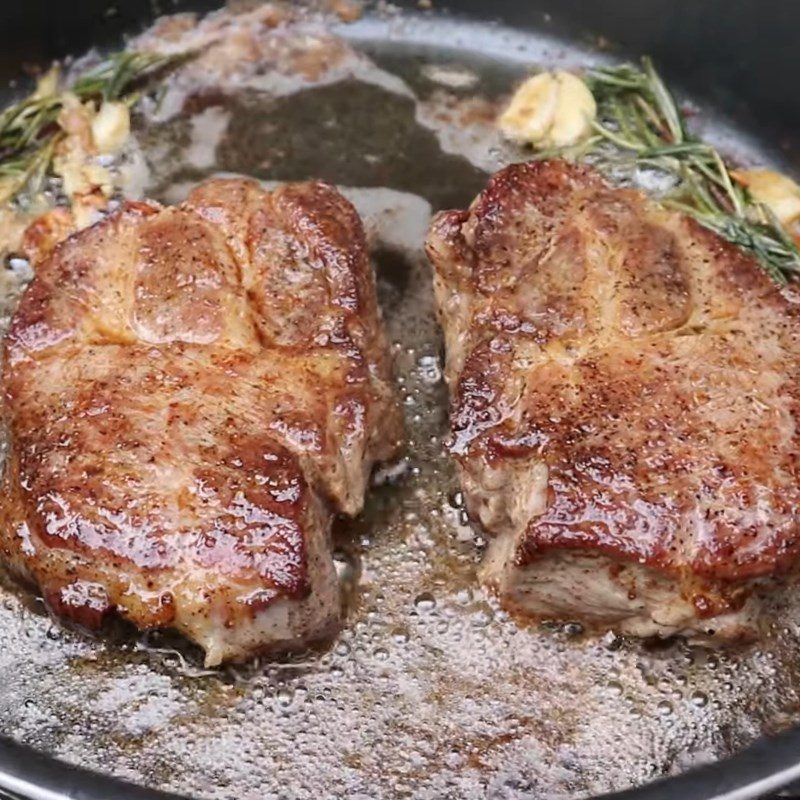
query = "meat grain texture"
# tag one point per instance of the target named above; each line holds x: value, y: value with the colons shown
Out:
x: 191, y: 394
x: 624, y: 392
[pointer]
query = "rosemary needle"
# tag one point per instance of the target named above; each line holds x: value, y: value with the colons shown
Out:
x: 639, y: 124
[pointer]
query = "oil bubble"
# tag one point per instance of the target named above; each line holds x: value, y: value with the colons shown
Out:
x: 425, y: 602
x: 699, y: 699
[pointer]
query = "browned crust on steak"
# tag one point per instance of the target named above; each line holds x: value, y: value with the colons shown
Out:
x: 191, y: 392
x: 632, y: 372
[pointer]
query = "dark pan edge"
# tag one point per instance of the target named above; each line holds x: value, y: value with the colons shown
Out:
x: 771, y: 763
x: 29, y: 774
x: 766, y: 766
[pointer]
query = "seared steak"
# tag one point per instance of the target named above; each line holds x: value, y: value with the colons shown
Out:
x: 624, y: 405
x: 191, y: 393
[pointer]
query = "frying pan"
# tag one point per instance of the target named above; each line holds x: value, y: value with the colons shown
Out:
x: 114, y: 706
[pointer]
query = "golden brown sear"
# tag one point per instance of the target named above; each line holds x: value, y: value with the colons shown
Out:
x: 624, y: 405
x: 191, y: 393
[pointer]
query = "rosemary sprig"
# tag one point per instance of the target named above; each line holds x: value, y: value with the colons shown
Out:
x: 29, y: 131
x: 639, y: 124
x: 115, y: 78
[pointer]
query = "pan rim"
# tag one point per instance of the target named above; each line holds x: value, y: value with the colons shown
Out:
x: 767, y: 765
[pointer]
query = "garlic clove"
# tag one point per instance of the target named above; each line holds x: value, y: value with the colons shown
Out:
x: 70, y: 170
x: 111, y: 127
x: 47, y: 84
x: 552, y: 109
x: 530, y: 112
x: 776, y: 191
x: 575, y: 111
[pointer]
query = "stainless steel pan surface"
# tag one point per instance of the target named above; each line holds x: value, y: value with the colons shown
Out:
x: 430, y: 690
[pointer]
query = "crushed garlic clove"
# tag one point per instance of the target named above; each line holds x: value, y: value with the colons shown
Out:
x: 88, y: 133
x: 47, y: 84
x: 575, y: 112
x: 75, y: 119
x: 551, y: 109
x: 531, y: 111
x: 776, y: 191
x: 81, y: 176
x: 70, y: 170
x: 111, y: 127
